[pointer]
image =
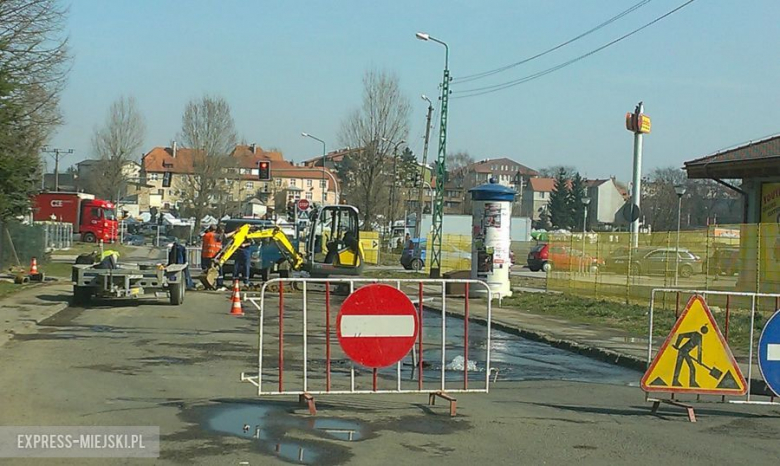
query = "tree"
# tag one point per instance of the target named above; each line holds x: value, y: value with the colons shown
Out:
x: 559, y: 205
x: 208, y: 130
x: 576, y: 208
x: 375, y: 127
x: 458, y: 160
x: 114, y: 145
x: 33, y: 67
x: 553, y: 171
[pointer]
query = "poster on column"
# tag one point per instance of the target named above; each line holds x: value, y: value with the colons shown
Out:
x: 769, y: 231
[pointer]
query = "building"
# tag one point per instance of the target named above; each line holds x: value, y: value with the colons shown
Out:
x: 505, y: 171
x: 535, y: 197
x: 240, y: 183
x: 606, y: 200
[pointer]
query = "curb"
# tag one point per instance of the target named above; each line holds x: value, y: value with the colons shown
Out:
x: 757, y: 385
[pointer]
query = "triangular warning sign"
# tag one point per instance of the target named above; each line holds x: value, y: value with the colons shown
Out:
x: 695, y: 358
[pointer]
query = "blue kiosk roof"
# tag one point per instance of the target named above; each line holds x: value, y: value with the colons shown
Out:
x: 492, y: 192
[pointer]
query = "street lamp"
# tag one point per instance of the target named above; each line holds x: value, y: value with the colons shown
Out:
x: 436, y: 237
x: 307, y: 135
x: 679, y: 189
x: 392, y: 188
x: 585, y: 202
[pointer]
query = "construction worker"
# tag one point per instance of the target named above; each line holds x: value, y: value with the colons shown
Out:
x: 210, y: 247
x: 178, y: 255
x: 243, y: 258
x: 108, y: 260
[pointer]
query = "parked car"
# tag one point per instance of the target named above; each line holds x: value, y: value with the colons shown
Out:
x: 135, y: 240
x: 546, y: 257
x: 725, y: 261
x: 655, y: 261
x: 413, y: 254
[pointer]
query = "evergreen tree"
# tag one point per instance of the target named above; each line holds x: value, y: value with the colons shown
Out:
x: 560, y: 212
x: 576, y: 208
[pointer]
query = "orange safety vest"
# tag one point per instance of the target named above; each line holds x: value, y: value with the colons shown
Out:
x: 211, y: 246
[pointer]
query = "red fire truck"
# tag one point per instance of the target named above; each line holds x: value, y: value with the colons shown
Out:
x: 94, y: 219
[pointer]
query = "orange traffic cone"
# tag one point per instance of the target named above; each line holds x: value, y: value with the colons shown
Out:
x: 34, y: 266
x: 235, y: 307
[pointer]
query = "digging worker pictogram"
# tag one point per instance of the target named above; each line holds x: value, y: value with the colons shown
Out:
x: 684, y: 351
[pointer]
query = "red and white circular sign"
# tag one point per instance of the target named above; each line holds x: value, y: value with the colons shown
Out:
x: 377, y: 325
x: 303, y: 204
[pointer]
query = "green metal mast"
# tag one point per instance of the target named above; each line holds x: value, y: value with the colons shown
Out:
x: 441, y: 170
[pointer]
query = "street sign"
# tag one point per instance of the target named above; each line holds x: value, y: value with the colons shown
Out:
x: 377, y: 325
x: 630, y: 212
x: 303, y: 204
x: 769, y: 353
x: 695, y: 358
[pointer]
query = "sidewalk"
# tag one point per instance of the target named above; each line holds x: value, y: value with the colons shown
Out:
x: 22, y: 311
x: 600, y: 342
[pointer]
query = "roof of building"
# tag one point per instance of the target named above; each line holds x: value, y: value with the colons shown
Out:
x: 541, y: 185
x: 486, y: 166
x: 755, y: 159
x: 333, y: 156
x: 161, y: 159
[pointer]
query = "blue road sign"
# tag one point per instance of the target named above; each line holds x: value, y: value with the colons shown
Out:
x: 769, y: 352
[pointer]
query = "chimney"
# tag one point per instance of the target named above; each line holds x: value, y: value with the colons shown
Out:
x: 252, y: 147
x: 174, y: 148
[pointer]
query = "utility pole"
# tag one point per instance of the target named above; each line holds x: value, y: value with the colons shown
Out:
x: 441, y: 172
x: 56, y: 153
x: 421, y: 184
x: 639, y: 124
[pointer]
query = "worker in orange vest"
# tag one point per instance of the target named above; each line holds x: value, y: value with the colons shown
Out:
x: 210, y: 248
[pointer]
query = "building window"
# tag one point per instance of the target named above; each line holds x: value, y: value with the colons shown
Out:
x: 161, y: 192
x: 309, y: 196
x: 308, y: 183
x: 249, y: 185
x: 292, y: 181
x: 153, y: 177
x: 323, y: 184
x: 278, y: 182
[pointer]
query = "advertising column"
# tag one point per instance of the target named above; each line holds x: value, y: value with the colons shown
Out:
x: 492, y: 214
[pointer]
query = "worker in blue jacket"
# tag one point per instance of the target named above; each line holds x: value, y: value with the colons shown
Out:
x: 178, y: 255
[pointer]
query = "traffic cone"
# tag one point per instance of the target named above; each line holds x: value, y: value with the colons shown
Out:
x: 34, y: 266
x: 235, y: 299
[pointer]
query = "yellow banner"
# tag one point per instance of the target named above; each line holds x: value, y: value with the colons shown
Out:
x: 770, y: 237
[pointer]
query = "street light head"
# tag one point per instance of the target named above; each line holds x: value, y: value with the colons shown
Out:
x: 679, y: 189
x: 422, y: 36
x: 306, y: 135
x: 585, y: 201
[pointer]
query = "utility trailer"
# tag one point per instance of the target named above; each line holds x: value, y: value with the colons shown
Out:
x: 128, y: 281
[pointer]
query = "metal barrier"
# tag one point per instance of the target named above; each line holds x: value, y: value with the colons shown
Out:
x: 193, y: 257
x: 319, y: 367
x: 57, y: 235
x: 729, y: 302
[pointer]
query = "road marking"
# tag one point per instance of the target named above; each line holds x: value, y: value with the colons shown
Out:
x: 353, y: 326
x: 773, y: 352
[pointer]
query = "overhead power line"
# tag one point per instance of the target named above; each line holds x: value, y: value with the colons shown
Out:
x: 506, y: 85
x: 484, y: 74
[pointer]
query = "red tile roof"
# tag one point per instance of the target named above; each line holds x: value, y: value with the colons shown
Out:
x: 161, y: 159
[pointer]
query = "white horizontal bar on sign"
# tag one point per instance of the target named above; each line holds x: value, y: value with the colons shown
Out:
x: 773, y: 352
x: 361, y: 326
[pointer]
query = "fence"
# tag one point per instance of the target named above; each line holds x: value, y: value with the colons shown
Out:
x: 737, y: 258
x: 19, y: 243
x: 297, y: 355
x: 56, y: 235
x: 739, y: 315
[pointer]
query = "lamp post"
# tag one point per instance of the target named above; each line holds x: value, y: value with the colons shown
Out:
x: 585, y: 203
x: 679, y: 189
x: 392, y: 188
x: 438, y: 210
x: 420, y: 195
x: 307, y: 135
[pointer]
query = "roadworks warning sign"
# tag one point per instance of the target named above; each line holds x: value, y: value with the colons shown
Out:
x: 695, y: 358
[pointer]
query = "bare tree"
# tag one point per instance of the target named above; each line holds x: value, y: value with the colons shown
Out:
x: 114, y: 145
x: 209, y: 131
x: 375, y: 127
x: 554, y: 170
x: 458, y: 160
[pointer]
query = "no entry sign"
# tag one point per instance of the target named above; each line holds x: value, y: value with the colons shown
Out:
x: 377, y: 325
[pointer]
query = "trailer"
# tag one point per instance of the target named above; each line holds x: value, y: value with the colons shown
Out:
x: 128, y: 281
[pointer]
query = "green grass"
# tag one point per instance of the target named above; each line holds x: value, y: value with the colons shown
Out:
x: 7, y: 288
x: 631, y: 318
x: 369, y: 273
x: 81, y: 248
x: 57, y: 269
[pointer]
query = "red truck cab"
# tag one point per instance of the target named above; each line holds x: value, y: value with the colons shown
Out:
x: 94, y: 219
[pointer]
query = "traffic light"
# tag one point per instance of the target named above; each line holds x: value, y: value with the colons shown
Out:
x: 264, y: 170
x: 167, y: 178
x: 291, y: 211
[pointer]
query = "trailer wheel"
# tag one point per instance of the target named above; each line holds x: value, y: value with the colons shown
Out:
x: 176, y: 290
x: 90, y: 237
x: 82, y: 295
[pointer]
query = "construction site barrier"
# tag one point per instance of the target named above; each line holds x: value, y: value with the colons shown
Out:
x: 297, y: 354
x: 747, y: 309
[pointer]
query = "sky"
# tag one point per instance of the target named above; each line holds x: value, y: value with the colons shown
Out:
x: 708, y: 75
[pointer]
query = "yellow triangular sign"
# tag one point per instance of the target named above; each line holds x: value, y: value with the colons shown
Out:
x: 695, y: 358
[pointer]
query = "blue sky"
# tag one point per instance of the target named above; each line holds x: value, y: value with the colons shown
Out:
x: 709, y: 74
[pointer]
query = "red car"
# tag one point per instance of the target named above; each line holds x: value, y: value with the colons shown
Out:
x: 546, y: 257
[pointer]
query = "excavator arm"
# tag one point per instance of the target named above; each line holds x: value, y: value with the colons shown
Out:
x: 245, y: 233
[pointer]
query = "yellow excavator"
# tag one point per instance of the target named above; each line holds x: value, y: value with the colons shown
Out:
x: 332, y: 245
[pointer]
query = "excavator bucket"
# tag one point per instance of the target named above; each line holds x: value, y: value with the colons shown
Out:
x: 209, y: 278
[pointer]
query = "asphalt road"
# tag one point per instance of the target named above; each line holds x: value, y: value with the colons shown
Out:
x: 178, y: 368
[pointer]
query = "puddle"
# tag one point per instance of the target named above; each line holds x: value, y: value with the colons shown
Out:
x: 271, y: 428
x: 164, y: 360
x: 45, y: 336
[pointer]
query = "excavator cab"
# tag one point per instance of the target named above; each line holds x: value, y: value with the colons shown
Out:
x: 333, y: 243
